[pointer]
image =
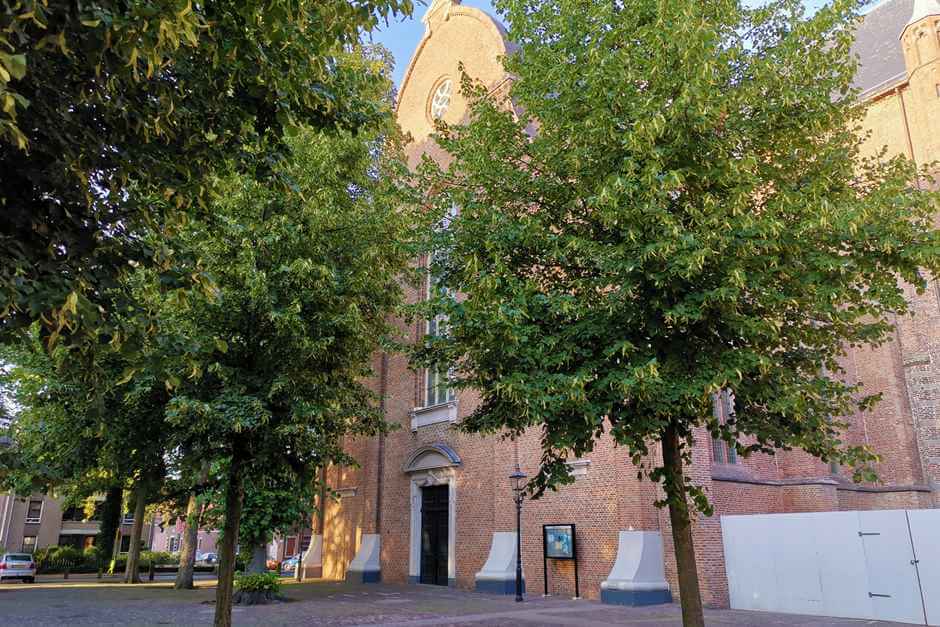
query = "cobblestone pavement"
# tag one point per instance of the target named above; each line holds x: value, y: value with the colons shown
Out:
x: 87, y: 601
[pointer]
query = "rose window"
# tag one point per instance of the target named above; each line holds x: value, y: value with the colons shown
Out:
x: 441, y: 99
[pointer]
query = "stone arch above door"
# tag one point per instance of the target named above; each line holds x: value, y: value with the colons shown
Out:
x: 431, y: 457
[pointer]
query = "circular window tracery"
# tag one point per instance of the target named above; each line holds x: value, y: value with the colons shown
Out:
x: 440, y: 101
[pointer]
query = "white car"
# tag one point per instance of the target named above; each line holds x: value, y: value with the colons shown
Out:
x: 208, y: 558
x: 18, y: 566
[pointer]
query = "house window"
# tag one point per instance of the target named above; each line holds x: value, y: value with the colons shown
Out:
x: 125, y: 544
x: 722, y: 452
x: 198, y: 543
x: 128, y: 518
x: 34, y: 511
x: 74, y: 514
x: 29, y: 544
x: 173, y: 544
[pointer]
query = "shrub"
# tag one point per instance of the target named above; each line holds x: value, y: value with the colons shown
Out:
x: 55, y: 559
x: 257, y: 588
x: 258, y: 582
x: 158, y: 557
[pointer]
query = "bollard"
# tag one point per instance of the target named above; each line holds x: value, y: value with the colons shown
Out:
x: 150, y: 576
x: 67, y: 572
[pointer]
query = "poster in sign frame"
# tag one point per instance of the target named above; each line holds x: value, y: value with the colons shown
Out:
x: 559, y: 542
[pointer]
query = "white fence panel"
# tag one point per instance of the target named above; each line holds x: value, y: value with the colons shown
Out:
x: 892, y: 578
x: 751, y: 582
x: 841, y: 565
x: 925, y: 532
x: 850, y: 564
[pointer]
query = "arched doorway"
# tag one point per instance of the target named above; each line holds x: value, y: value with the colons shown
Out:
x: 433, y: 472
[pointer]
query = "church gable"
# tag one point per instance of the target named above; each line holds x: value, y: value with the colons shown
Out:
x: 454, y: 34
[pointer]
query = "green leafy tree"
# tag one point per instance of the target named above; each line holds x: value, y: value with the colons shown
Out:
x: 77, y: 441
x: 692, y: 214
x: 105, y: 105
x: 305, y: 274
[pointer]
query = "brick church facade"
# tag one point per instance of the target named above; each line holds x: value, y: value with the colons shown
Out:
x: 428, y: 503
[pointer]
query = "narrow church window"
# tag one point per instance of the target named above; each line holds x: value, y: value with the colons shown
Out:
x: 722, y: 452
x: 436, y: 388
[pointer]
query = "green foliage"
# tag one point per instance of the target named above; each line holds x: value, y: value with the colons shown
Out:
x: 273, y: 360
x: 57, y: 559
x: 78, y: 439
x: 115, y: 116
x: 694, y: 214
x: 269, y: 583
x: 160, y: 558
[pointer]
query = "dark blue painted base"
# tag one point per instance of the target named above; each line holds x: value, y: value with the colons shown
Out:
x: 363, y: 576
x: 636, y: 597
x: 451, y: 583
x: 501, y: 586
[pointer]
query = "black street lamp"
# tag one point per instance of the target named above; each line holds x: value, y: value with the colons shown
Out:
x: 518, y: 488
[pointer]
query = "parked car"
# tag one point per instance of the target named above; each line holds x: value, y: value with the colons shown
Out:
x: 208, y: 558
x: 289, y: 564
x: 18, y: 566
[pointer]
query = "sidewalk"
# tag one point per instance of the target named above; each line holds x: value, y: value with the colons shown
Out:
x: 88, y: 601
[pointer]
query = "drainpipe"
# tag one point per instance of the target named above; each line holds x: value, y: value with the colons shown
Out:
x: 150, y: 538
x: 380, y: 465
x: 321, y: 515
x: 6, y: 520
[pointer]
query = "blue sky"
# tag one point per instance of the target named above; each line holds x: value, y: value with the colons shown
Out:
x: 402, y: 35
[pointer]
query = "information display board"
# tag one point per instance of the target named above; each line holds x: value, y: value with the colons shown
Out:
x: 559, y: 542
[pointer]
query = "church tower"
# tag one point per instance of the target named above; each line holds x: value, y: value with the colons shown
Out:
x: 919, y: 334
x: 920, y: 42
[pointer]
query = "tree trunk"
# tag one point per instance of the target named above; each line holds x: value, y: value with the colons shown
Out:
x: 234, y: 493
x: 132, y: 572
x: 110, y: 523
x: 259, y: 559
x: 184, y: 576
x: 116, y: 548
x: 689, y: 594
